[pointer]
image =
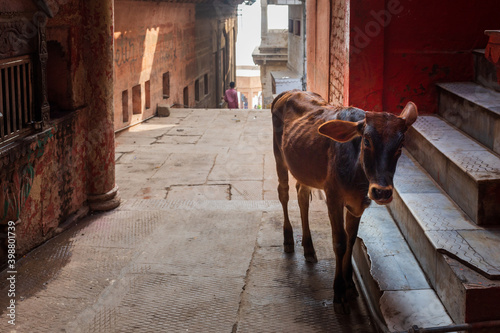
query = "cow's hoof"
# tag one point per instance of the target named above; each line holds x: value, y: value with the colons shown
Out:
x: 341, y: 308
x: 289, y: 248
x: 311, y: 258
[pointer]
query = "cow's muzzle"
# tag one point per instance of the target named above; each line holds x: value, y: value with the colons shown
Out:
x: 382, y: 195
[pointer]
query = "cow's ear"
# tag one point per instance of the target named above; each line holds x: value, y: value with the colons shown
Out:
x: 409, y: 114
x: 340, y: 130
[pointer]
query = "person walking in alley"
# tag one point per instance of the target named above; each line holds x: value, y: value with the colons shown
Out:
x: 231, y: 96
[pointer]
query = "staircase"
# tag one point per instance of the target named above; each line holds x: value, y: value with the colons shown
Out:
x: 434, y: 257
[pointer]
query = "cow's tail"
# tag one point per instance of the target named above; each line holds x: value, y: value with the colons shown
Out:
x: 277, y: 109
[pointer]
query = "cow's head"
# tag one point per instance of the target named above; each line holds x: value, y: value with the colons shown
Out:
x: 382, y: 139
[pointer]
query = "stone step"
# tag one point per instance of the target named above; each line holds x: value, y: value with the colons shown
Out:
x: 395, y: 282
x: 466, y: 170
x: 485, y: 73
x: 472, y: 108
x: 459, y: 258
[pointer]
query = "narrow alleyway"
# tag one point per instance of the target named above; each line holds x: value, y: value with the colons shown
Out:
x: 196, y: 245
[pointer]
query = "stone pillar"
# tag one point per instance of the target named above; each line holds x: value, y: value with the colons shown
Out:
x: 101, y: 188
x: 263, y: 19
x: 311, y: 44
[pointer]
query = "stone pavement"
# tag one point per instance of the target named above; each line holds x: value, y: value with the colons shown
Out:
x: 196, y: 245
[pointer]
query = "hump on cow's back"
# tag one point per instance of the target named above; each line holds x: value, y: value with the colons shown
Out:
x: 300, y: 102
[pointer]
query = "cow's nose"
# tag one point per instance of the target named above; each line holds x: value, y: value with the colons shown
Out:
x: 381, y: 194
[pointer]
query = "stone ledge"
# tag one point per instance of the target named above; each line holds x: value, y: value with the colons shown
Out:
x: 393, y: 277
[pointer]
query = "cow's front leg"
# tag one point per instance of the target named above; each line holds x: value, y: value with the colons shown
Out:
x: 335, y: 212
x: 351, y: 227
x: 304, y: 195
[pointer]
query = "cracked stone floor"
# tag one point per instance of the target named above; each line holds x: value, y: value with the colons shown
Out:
x: 194, y: 247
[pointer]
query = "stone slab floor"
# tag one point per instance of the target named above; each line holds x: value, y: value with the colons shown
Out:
x: 194, y: 247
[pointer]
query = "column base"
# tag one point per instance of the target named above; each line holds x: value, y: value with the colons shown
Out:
x: 106, y: 201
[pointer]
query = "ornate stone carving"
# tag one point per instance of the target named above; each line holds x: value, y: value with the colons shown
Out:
x: 16, y: 38
x: 44, y: 55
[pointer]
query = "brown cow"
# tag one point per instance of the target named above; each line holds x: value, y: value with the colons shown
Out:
x: 347, y: 152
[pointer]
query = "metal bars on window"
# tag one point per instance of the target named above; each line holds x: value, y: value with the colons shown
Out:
x: 16, y: 97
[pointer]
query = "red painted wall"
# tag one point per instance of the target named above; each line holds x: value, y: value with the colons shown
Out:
x: 423, y: 42
x: 438, y: 51
x: 366, y: 56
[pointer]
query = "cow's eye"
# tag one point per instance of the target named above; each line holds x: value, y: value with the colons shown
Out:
x: 366, y: 142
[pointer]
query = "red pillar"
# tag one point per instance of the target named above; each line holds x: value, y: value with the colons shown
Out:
x: 101, y: 188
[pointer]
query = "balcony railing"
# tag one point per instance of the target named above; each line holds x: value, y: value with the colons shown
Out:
x: 16, y: 98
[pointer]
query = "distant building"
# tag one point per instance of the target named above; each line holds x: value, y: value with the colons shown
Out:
x: 281, y: 52
x: 249, y: 86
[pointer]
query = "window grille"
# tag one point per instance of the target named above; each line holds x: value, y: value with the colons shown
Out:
x: 16, y: 97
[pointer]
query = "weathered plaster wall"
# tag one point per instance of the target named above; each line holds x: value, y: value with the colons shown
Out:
x: 52, y: 175
x: 186, y: 40
x: 47, y: 177
x: 150, y: 39
x: 59, y: 184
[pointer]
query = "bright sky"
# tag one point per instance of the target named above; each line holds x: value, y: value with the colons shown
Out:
x: 249, y: 29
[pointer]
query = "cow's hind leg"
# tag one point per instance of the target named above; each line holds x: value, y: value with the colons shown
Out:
x: 351, y: 227
x: 283, y: 188
x: 304, y: 195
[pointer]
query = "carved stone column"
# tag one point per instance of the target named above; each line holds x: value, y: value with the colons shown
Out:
x: 263, y: 19
x: 102, y: 190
